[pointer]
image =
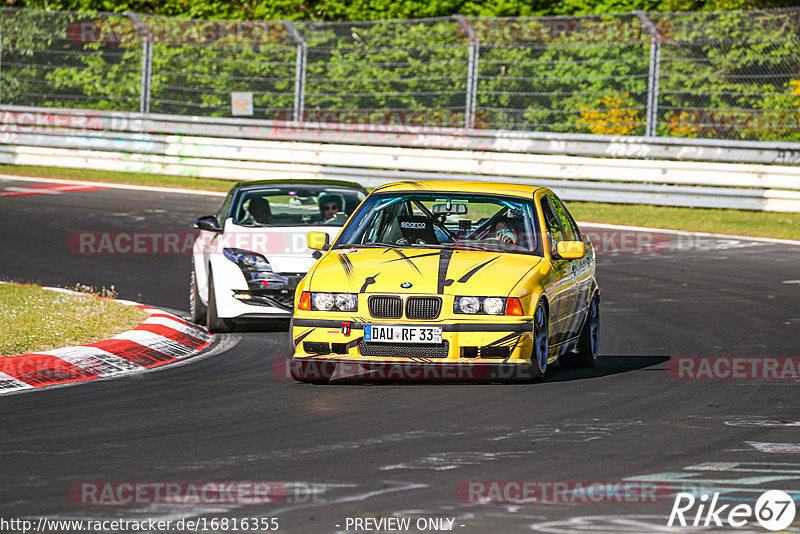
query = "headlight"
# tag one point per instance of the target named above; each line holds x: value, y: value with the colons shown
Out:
x: 468, y: 305
x: 322, y: 301
x: 347, y: 302
x: 480, y: 305
x: 493, y: 305
x: 246, y: 260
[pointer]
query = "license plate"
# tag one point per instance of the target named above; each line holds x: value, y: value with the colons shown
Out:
x: 402, y: 334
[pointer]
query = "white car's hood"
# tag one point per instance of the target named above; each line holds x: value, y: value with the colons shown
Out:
x: 284, y: 247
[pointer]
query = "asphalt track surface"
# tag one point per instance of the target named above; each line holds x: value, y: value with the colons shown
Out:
x: 399, y: 449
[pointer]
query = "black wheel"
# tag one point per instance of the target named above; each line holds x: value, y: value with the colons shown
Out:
x: 213, y: 322
x: 541, y: 344
x: 588, y: 343
x: 312, y: 371
x: 196, y: 306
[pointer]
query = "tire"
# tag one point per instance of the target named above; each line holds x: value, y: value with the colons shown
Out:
x: 196, y: 306
x: 588, y: 343
x: 213, y: 322
x: 312, y: 372
x: 541, y: 344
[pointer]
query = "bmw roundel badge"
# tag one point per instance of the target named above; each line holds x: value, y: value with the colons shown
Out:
x: 405, y: 285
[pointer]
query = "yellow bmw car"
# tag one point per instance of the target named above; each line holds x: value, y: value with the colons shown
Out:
x: 465, y: 274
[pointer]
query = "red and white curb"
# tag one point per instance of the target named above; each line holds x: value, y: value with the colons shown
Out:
x: 162, y: 339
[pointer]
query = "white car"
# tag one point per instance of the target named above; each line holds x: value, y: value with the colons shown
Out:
x: 250, y: 256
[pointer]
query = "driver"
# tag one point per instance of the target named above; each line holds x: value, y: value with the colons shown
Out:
x: 504, y: 233
x: 259, y: 210
x: 331, y: 207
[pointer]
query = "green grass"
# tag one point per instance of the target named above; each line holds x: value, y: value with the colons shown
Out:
x: 739, y: 222
x: 33, y: 319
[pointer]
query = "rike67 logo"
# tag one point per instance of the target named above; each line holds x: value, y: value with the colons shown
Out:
x: 774, y: 510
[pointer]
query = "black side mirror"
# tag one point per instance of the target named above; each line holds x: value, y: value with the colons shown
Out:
x: 208, y: 223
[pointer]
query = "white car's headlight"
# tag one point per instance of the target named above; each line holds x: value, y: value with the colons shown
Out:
x: 246, y: 260
x: 487, y: 305
x: 347, y: 302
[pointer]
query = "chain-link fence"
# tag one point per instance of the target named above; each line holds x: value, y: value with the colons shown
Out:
x: 733, y: 75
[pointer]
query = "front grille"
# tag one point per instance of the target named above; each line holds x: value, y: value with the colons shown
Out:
x: 385, y: 307
x: 423, y: 307
x: 402, y: 350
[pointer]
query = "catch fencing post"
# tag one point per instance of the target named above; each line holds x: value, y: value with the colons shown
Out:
x: 299, y: 72
x: 472, y: 72
x: 143, y: 32
x: 653, y: 74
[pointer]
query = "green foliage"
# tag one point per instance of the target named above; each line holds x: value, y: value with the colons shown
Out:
x: 732, y: 74
x: 332, y: 10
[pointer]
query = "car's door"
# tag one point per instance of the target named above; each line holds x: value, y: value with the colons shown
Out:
x: 561, y: 291
x: 581, y: 271
x: 206, y: 245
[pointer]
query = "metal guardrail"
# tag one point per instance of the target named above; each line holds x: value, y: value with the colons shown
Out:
x: 230, y: 149
x: 23, y: 119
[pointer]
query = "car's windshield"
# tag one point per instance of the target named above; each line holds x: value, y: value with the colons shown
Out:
x: 303, y: 205
x: 445, y: 220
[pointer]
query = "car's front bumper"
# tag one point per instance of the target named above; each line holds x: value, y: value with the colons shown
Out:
x: 486, y: 343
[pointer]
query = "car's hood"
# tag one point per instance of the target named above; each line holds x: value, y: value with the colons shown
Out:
x: 432, y: 271
x: 284, y: 247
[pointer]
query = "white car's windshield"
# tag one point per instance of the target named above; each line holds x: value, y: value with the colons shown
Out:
x: 452, y: 220
x: 295, y: 206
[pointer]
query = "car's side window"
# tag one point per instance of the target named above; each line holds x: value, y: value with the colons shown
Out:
x: 226, y: 206
x: 570, y: 230
x: 554, y: 234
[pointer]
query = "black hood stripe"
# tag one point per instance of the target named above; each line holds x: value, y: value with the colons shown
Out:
x: 474, y: 270
x: 347, y: 265
x: 405, y: 258
x: 414, y: 257
x: 367, y: 281
x: 444, y: 263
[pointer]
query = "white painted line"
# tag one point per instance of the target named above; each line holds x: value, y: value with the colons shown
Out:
x: 775, y: 448
x: 114, y: 186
